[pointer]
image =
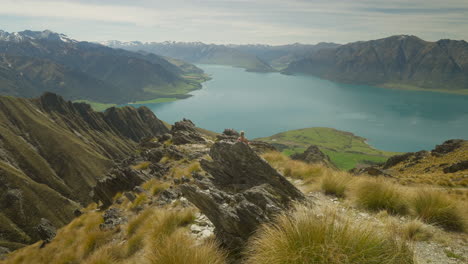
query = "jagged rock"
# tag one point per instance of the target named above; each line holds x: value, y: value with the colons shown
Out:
x: 412, y: 157
x: 184, y: 132
x: 149, y: 143
x: 153, y: 155
x: 113, y: 217
x: 173, y: 153
x: 313, y: 155
x: 164, y: 137
x: 261, y: 147
x: 169, y: 195
x: 241, y: 192
x: 46, y: 230
x: 3, y: 252
x: 228, y: 134
x: 447, y: 146
x: 130, y: 196
x: 138, y: 189
x: 462, y: 165
x: 118, y: 180
x: 184, y: 179
x: 158, y: 170
x: 77, y: 213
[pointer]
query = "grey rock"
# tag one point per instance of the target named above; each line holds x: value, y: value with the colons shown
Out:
x: 130, y: 196
x: 241, y: 192
x: 447, y: 147
x: 3, y: 252
x: 184, y: 132
x: 46, y: 230
x: 164, y: 137
x: 77, y: 213
x: 313, y: 155
x: 462, y: 165
x: 112, y: 217
x: 118, y: 180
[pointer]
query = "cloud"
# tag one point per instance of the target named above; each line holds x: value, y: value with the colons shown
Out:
x: 242, y: 21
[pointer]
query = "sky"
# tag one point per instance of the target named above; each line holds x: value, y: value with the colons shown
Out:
x: 239, y: 21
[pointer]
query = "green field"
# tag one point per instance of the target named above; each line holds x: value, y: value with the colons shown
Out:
x: 95, y: 105
x: 156, y: 101
x: 344, y: 149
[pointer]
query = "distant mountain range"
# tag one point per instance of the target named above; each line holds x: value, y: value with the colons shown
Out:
x: 258, y: 58
x: 396, y: 62
x: 33, y: 62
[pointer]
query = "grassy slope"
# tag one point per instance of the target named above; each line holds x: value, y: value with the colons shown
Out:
x: 345, y: 149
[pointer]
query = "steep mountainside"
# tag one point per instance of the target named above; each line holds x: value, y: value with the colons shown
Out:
x: 52, y: 153
x: 83, y: 70
x: 397, y: 61
x: 197, y: 52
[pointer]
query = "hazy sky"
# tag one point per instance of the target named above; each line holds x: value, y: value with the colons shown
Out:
x: 239, y: 21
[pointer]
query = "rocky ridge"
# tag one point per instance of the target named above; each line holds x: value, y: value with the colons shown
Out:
x: 52, y: 153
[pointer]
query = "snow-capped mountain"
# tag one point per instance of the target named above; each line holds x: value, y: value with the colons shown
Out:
x: 33, y: 35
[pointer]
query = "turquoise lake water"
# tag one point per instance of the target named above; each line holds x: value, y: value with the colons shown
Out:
x: 264, y: 104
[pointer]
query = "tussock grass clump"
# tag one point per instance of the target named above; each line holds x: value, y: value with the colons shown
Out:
x: 437, y: 208
x: 416, y: 230
x: 155, y: 186
x: 335, y: 184
x: 376, y: 195
x: 293, y: 168
x: 178, y: 248
x: 305, y: 237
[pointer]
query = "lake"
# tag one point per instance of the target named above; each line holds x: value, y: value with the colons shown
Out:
x: 264, y: 104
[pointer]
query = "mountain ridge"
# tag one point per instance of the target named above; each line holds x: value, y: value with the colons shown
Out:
x: 114, y: 76
x: 399, y: 61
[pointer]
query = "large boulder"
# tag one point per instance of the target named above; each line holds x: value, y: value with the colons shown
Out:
x: 184, y: 132
x: 313, y: 155
x: 240, y: 192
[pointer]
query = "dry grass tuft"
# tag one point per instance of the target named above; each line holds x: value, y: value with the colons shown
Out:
x: 336, y: 183
x: 416, y: 230
x: 293, y: 168
x: 437, y: 208
x: 378, y: 194
x: 304, y: 237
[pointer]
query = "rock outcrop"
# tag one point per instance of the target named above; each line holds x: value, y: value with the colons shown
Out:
x: 184, y: 132
x: 240, y: 192
x: 46, y: 231
x: 119, y: 179
x: 313, y: 155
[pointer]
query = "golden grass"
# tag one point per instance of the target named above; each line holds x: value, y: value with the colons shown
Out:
x: 153, y: 236
x: 437, y: 208
x: 303, y: 236
x: 336, y: 183
x: 379, y: 194
x: 294, y: 168
x: 184, y: 170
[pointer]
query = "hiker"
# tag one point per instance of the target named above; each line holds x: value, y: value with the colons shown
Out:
x: 242, y: 138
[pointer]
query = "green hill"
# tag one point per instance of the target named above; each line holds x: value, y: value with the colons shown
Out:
x: 344, y: 148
